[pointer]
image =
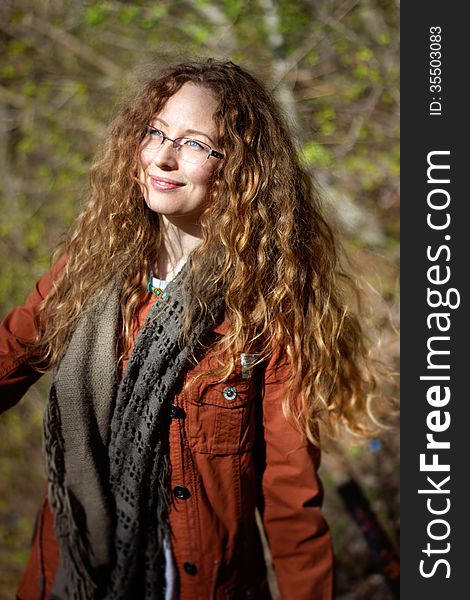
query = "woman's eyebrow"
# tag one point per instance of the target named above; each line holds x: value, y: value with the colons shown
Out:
x: 187, y: 130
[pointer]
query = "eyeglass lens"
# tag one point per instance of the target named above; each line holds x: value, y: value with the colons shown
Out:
x: 189, y: 150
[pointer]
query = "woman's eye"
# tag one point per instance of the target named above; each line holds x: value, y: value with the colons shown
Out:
x: 155, y: 133
x: 194, y: 144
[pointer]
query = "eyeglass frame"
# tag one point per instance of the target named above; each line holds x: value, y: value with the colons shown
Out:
x: 212, y: 152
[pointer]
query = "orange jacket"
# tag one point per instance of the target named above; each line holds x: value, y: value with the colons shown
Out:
x: 231, y: 450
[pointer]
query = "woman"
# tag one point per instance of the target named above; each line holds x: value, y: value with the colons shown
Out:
x: 197, y: 334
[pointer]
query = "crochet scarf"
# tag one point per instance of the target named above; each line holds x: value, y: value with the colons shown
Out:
x: 106, y: 448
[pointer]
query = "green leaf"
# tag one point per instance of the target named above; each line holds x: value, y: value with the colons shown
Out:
x: 129, y: 14
x: 95, y: 15
x: 314, y: 153
x: 159, y: 11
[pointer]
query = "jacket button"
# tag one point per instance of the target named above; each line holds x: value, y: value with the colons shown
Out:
x: 176, y: 412
x: 190, y: 568
x: 230, y: 393
x: 181, y: 492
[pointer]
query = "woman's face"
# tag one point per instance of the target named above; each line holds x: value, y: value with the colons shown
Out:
x: 174, y: 188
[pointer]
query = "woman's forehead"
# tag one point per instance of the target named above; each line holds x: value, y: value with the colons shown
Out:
x: 191, y: 108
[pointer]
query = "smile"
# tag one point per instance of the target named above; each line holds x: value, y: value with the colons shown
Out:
x: 163, y: 184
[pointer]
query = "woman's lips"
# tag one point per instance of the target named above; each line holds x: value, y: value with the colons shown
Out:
x: 162, y: 184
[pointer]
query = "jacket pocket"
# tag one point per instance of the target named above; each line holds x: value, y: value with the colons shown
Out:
x: 221, y: 415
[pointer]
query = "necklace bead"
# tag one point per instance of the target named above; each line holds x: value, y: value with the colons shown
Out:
x: 156, y: 290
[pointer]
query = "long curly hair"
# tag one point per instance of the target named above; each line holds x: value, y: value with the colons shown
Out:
x: 265, y: 245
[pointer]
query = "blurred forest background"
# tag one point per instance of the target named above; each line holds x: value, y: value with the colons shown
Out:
x: 333, y: 65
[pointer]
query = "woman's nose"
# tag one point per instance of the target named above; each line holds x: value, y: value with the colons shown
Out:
x: 166, y: 155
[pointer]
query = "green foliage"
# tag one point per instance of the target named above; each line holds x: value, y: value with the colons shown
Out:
x: 314, y: 154
x: 95, y: 14
x: 129, y: 14
x: 233, y: 8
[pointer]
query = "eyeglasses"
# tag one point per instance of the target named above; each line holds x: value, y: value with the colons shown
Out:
x: 190, y: 150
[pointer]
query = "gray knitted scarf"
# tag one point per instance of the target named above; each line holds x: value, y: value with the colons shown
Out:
x: 106, y: 448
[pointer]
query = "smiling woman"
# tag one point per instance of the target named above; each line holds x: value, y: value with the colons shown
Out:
x: 174, y: 415
x: 176, y: 175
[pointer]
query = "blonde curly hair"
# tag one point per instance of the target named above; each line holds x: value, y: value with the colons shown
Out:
x: 265, y: 245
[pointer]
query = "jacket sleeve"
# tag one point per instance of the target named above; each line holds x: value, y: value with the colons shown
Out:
x: 16, y: 329
x: 298, y: 535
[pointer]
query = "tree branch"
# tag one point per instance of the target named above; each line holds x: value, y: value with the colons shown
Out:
x: 72, y: 43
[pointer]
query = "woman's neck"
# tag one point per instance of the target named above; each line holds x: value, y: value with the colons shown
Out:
x: 177, y: 245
